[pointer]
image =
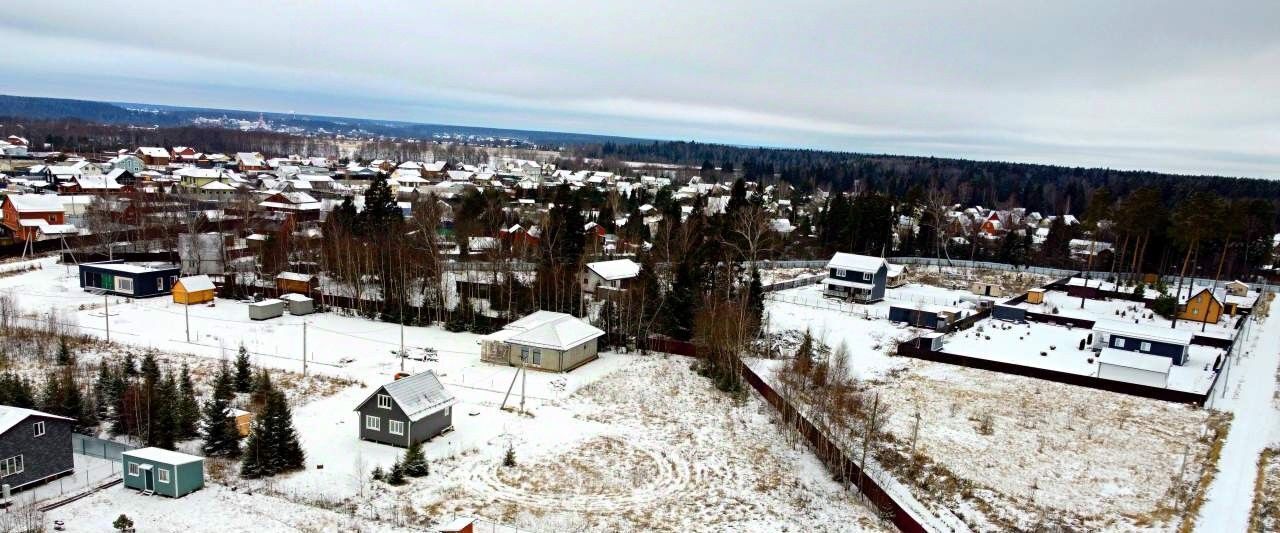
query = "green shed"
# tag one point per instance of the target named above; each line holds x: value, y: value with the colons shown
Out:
x: 160, y: 471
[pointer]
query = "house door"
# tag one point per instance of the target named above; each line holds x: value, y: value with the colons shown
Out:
x: 148, y: 478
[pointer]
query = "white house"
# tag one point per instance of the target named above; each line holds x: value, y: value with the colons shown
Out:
x: 609, y: 276
x: 543, y: 340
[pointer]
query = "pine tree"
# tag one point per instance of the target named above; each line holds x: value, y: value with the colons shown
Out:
x: 220, y: 435
x: 116, y: 394
x: 51, y: 396
x: 188, y: 409
x: 755, y: 300
x: 509, y: 458
x: 273, y: 444
x: 396, y: 475
x: 102, y: 386
x: 123, y: 523
x: 73, y: 404
x: 415, y: 462
x: 164, y: 424
x: 244, y: 372
x: 16, y: 391
x: 64, y: 351
x: 378, y: 474
x: 262, y: 387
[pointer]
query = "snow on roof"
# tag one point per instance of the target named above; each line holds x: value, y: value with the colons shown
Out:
x: 295, y: 297
x: 860, y: 263
x: 616, y: 269
x: 216, y: 186
x: 556, y: 331
x: 896, y: 270
x: 35, y: 203
x: 12, y: 416
x: 129, y: 268
x: 269, y: 302
x: 418, y: 395
x: 1143, y: 331
x: 196, y: 283
x: 161, y: 455
x: 294, y: 276
x: 153, y: 151
x: 457, y: 524
x: 1141, y: 361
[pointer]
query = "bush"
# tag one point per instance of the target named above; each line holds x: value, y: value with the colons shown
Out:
x: 123, y: 523
x: 378, y: 474
x: 1165, y: 306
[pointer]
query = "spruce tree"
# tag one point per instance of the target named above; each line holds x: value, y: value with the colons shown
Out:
x: 220, y: 435
x: 129, y: 365
x: 244, y: 372
x: 273, y: 444
x: 64, y: 351
x: 188, y: 409
x: 73, y: 404
x: 262, y: 387
x: 415, y: 462
x: 256, y: 458
x: 164, y: 424
x: 102, y: 392
x: 396, y: 475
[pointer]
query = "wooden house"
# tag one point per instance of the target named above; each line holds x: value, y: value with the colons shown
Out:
x: 1237, y: 288
x: 543, y: 340
x: 193, y: 290
x: 164, y: 472
x: 295, y: 282
x: 982, y: 288
x: 35, y: 447
x: 858, y: 278
x: 604, y: 278
x: 153, y: 155
x: 243, y: 420
x: 1202, y: 307
x: 1162, y: 341
x: 128, y: 279
x: 409, y: 410
x: 26, y: 215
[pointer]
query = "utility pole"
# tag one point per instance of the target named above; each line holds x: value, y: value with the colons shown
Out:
x: 186, y: 317
x: 304, y: 349
x: 106, y: 313
x: 403, y: 292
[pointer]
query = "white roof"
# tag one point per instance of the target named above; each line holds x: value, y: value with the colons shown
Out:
x: 295, y: 297
x: 269, y: 302
x: 294, y: 276
x: 196, y: 283
x: 616, y: 269
x: 12, y: 416
x: 896, y: 270
x: 418, y: 395
x: 35, y: 203
x: 556, y: 331
x: 1141, y: 361
x: 860, y: 263
x: 153, y: 151
x: 1143, y: 331
x: 216, y: 186
x: 127, y: 267
x: 161, y: 455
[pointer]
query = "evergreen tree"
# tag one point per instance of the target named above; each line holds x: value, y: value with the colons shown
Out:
x: 117, y: 393
x: 221, y: 438
x: 187, y: 413
x: 509, y: 458
x: 164, y: 426
x: 244, y: 372
x: 396, y: 476
x: 415, y: 462
x: 737, y: 197
x: 273, y: 444
x: 16, y: 391
x: 682, y: 302
x: 755, y: 300
x: 262, y: 387
x: 378, y: 474
x: 64, y: 351
x: 129, y: 365
x: 102, y: 386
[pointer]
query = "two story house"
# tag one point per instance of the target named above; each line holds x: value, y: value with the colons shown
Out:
x: 857, y: 278
x: 409, y: 410
x: 34, y: 447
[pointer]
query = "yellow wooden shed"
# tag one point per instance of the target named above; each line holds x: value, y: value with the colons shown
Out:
x: 193, y: 290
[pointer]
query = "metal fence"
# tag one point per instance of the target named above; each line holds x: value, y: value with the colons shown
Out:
x: 101, y: 448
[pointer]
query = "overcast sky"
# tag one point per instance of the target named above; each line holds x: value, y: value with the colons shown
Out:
x: 1189, y: 87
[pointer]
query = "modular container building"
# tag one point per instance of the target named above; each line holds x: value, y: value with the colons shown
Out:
x: 164, y: 472
x: 266, y: 309
x: 128, y: 279
x: 299, y: 304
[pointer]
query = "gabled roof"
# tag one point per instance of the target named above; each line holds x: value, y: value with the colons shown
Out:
x: 196, y: 283
x: 35, y: 203
x: 547, y: 329
x: 153, y: 151
x: 418, y: 395
x: 616, y: 269
x: 12, y: 416
x: 859, y: 263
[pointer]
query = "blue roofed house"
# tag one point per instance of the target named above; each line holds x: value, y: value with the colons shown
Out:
x: 858, y: 278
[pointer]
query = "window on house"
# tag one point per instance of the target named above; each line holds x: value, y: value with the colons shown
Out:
x: 162, y: 475
x: 11, y: 466
x: 39, y: 427
x: 396, y: 427
x: 1146, y: 347
x: 160, y: 284
x: 133, y: 469
x: 448, y: 410
x: 384, y: 401
x: 866, y: 276
x: 537, y: 356
x: 124, y: 284
x: 840, y: 272
x: 372, y: 422
x: 524, y: 354
x: 1117, y: 342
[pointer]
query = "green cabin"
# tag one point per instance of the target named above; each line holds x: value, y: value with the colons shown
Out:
x: 164, y: 472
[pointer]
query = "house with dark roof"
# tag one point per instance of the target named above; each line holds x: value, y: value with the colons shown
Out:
x: 409, y: 410
x: 858, y: 278
x: 35, y: 447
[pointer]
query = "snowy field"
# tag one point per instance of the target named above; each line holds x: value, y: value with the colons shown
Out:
x: 625, y: 443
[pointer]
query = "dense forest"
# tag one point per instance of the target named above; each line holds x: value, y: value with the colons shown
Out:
x: 1045, y: 188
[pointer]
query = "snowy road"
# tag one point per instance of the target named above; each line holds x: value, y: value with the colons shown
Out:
x: 1250, y: 388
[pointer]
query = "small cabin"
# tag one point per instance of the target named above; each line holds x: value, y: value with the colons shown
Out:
x: 412, y: 409
x: 266, y: 309
x: 458, y: 525
x: 543, y: 340
x: 299, y: 304
x: 295, y: 282
x: 927, y: 316
x: 1202, y: 307
x: 243, y: 420
x: 896, y: 276
x: 1134, y: 367
x: 163, y: 472
x: 982, y: 288
x: 193, y: 290
x: 1237, y: 288
x: 1154, y: 340
x: 128, y: 279
x: 1035, y: 296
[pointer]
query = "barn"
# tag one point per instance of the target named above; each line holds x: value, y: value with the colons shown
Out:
x: 193, y: 290
x: 163, y: 472
x: 128, y: 279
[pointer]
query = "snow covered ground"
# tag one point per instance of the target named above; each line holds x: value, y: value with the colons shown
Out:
x: 1248, y: 392
x: 625, y: 443
x: 1069, y: 306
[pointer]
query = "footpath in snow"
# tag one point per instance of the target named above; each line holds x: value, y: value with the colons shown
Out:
x: 1249, y: 391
